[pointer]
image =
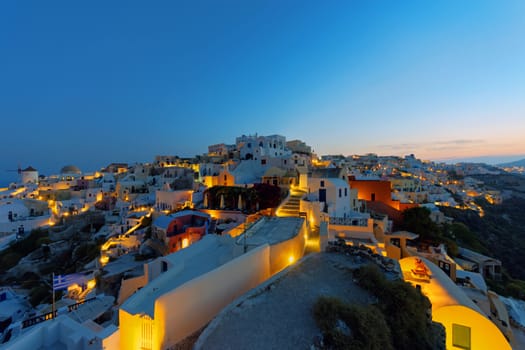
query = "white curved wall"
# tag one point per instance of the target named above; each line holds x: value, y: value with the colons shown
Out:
x: 192, y: 305
x: 483, y: 333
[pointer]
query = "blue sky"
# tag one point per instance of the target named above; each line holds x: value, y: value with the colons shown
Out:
x: 89, y: 83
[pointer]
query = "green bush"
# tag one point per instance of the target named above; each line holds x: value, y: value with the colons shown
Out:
x: 463, y: 236
x: 404, y: 308
x: 370, y: 277
x: 367, y: 326
x: 418, y: 220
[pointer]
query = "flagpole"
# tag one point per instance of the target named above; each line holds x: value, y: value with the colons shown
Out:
x: 53, y: 307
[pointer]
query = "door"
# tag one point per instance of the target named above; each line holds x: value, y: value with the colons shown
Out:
x: 322, y: 195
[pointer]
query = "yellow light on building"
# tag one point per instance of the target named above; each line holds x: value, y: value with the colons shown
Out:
x: 74, y: 288
x: 104, y: 260
x: 291, y: 259
x: 185, y: 243
x: 91, y: 284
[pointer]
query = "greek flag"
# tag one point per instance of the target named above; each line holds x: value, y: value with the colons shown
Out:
x: 64, y: 281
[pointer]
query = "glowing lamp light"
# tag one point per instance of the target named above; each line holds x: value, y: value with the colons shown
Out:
x: 91, y: 284
x: 185, y: 243
x: 74, y: 288
x: 291, y: 259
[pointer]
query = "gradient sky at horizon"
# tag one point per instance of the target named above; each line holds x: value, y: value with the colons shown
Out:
x: 89, y: 83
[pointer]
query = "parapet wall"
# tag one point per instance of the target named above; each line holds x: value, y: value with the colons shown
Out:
x: 190, y: 306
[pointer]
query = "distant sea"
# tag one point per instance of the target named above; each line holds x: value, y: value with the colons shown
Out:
x: 492, y: 160
x: 6, y: 179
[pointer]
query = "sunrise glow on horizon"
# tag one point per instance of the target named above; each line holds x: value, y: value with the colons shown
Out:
x: 89, y: 84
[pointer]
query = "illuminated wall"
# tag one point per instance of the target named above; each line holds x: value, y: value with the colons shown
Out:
x: 303, y: 181
x: 133, y: 329
x: 234, y: 215
x: 225, y: 178
x: 373, y: 190
x: 170, y: 200
x: 406, y: 184
x: 337, y: 194
x: 130, y: 286
x: 112, y: 341
x: 192, y: 305
x: 378, y: 191
x: 465, y: 326
x: 313, y: 212
x: 285, y: 253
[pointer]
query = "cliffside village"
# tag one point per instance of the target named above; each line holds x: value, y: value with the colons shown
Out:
x: 181, y: 239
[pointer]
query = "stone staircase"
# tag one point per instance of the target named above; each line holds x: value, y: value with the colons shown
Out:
x: 292, y: 205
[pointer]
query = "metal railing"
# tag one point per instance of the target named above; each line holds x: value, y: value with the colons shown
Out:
x: 50, y: 315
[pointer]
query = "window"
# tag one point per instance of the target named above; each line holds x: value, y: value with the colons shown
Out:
x: 322, y: 183
x: 396, y: 242
x: 461, y: 336
x: 340, y: 192
x: 346, y: 192
x: 445, y: 267
x: 263, y: 161
x: 164, y: 266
